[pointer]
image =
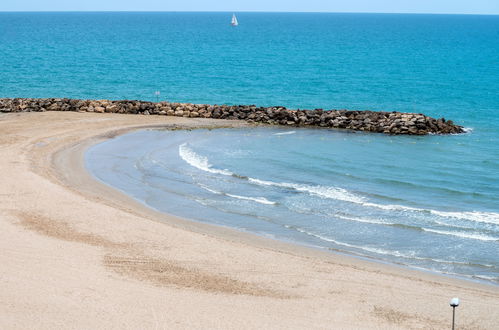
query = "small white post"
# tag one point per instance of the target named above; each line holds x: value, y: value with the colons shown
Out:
x: 454, y: 303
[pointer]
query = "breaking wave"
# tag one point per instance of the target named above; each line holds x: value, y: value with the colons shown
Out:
x: 334, y: 193
x: 261, y: 200
x: 198, y: 161
x: 462, y: 234
x: 320, y: 191
x: 285, y: 133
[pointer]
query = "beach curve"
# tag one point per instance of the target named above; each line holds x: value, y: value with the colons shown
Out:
x: 92, y: 247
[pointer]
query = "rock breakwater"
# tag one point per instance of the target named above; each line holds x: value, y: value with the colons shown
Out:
x: 371, y: 121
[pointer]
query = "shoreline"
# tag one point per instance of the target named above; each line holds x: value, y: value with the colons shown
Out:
x: 92, y: 184
x: 263, y: 280
x: 226, y: 231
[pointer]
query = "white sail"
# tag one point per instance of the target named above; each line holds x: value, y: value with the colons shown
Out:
x: 234, y: 21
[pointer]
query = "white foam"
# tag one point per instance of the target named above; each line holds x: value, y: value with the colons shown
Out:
x: 364, y: 220
x: 462, y: 235
x: 209, y: 189
x: 335, y: 193
x: 390, y: 207
x: 320, y: 191
x: 485, y: 217
x: 327, y: 239
x: 261, y: 200
x: 198, y: 161
x: 346, y: 196
x: 474, y: 216
x: 285, y: 133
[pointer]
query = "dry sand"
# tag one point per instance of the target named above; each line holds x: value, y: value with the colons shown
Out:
x: 78, y: 254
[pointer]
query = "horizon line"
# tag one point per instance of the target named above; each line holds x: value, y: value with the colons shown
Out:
x: 244, y: 11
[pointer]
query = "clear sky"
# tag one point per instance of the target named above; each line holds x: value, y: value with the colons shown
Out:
x: 380, y: 6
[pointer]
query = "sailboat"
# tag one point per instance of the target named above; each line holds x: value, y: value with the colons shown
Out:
x: 234, y: 21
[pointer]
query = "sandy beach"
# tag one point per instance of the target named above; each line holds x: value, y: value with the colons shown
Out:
x: 77, y: 254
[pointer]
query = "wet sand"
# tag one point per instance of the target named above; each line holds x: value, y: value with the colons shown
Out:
x: 79, y: 254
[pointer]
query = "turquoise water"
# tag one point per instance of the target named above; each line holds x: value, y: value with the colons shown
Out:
x: 430, y: 202
x: 442, y: 65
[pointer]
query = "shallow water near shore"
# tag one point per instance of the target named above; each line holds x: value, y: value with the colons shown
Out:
x: 425, y: 202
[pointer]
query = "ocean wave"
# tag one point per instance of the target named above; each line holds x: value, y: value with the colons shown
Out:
x: 391, y: 207
x: 394, y: 253
x: 378, y: 222
x: 285, y: 133
x: 484, y: 277
x: 364, y: 220
x: 209, y: 189
x: 320, y: 191
x: 475, y: 216
x: 358, y: 247
x: 261, y: 200
x: 335, y: 193
x: 346, y: 196
x: 202, y: 163
x: 198, y: 161
x: 417, y: 228
x: 461, y: 234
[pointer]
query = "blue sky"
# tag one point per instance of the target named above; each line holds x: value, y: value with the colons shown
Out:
x: 384, y: 6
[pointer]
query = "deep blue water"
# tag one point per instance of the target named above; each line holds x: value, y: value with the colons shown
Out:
x: 430, y: 202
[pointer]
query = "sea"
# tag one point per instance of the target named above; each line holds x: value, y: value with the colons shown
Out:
x: 424, y: 202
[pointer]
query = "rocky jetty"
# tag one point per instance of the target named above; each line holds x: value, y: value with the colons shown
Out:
x: 370, y: 121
